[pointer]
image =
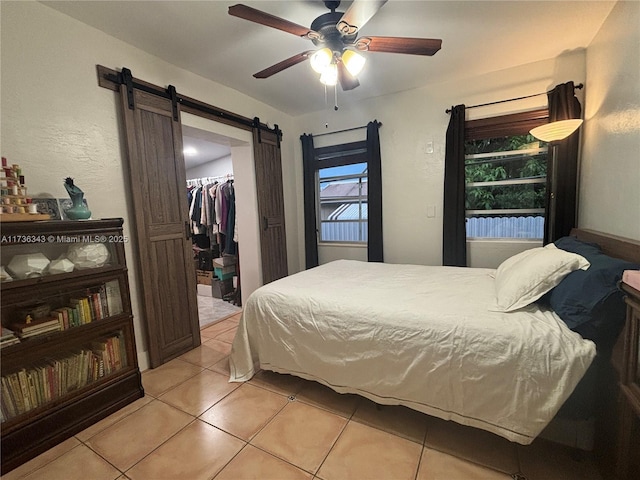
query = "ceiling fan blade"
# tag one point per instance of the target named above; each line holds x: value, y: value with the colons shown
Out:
x: 411, y: 46
x: 359, y: 13
x: 263, y: 18
x: 278, y: 67
x: 347, y: 81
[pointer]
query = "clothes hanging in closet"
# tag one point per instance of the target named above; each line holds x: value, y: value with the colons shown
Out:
x: 212, y: 213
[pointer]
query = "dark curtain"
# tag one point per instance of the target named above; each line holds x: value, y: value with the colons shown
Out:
x: 309, y: 184
x: 564, y: 105
x: 375, y: 251
x: 454, y: 235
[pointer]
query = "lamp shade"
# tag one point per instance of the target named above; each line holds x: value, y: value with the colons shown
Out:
x: 354, y: 62
x: 321, y: 59
x: 330, y: 75
x: 554, y: 131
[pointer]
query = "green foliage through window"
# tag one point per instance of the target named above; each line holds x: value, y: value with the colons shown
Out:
x: 518, y: 163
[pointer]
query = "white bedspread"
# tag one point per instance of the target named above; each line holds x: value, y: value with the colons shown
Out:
x: 418, y: 336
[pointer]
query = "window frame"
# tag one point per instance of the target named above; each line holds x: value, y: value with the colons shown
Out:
x: 338, y: 156
x: 504, y: 126
x: 362, y: 223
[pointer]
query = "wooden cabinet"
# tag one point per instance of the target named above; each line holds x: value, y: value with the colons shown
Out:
x: 628, y: 460
x: 75, y: 362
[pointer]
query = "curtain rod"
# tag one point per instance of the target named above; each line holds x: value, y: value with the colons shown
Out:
x: 342, y: 131
x: 448, y: 110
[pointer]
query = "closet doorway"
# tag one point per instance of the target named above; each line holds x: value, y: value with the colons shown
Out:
x: 218, y: 165
x: 152, y: 127
x: 211, y: 203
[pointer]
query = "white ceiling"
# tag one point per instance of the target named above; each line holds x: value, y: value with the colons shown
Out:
x: 206, y: 146
x: 477, y: 37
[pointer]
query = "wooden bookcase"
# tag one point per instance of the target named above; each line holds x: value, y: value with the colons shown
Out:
x: 628, y: 460
x: 56, y: 383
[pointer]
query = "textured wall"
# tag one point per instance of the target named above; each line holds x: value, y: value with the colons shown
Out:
x: 56, y: 121
x: 610, y: 170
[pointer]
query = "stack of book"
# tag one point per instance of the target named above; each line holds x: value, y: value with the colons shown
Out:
x: 8, y: 338
x: 33, y: 328
x: 33, y: 386
x: 102, y: 302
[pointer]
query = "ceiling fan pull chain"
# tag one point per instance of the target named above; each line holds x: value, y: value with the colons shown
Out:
x: 335, y: 92
x: 326, y: 103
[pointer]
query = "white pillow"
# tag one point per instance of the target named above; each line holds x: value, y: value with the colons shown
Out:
x: 527, y: 276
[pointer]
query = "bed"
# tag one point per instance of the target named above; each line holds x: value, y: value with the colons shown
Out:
x: 481, y: 347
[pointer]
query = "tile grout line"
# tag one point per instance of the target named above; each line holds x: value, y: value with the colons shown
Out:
x: 158, y: 446
x: 233, y: 457
x: 265, y: 426
x: 332, y: 446
x: 424, y: 446
x: 230, y: 433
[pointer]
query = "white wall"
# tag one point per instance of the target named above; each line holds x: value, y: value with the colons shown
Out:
x: 412, y: 179
x: 215, y: 168
x: 56, y: 121
x: 610, y: 170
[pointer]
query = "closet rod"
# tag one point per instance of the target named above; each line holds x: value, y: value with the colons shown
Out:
x: 228, y: 176
x: 448, y: 110
x: 341, y: 131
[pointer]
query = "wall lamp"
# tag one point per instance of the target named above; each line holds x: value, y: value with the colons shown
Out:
x: 552, y: 133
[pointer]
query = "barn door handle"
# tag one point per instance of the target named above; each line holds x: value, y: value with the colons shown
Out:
x: 187, y: 230
x: 265, y: 223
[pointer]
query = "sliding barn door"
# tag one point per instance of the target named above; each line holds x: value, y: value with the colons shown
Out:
x: 166, y: 268
x: 273, y: 241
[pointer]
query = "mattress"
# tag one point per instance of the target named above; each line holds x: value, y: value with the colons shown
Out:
x: 420, y: 336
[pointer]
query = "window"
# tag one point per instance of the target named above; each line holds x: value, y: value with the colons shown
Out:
x: 506, y: 181
x: 505, y: 187
x: 342, y: 197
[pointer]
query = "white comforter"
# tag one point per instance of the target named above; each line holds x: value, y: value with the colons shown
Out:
x: 418, y: 336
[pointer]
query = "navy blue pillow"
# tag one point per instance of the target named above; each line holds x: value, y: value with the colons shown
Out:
x: 573, y: 245
x: 589, y: 301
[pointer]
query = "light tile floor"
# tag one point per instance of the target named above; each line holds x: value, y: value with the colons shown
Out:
x: 193, y: 424
x: 211, y: 309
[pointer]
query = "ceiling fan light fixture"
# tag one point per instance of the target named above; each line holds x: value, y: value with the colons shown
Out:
x: 321, y: 59
x: 354, y: 62
x: 329, y: 75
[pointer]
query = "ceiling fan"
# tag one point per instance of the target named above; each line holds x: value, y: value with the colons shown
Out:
x: 336, y: 33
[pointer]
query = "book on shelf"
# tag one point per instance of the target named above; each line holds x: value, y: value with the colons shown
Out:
x: 56, y: 376
x: 24, y: 389
x: 96, y: 306
x: 81, y: 306
x: 36, y: 327
x: 38, y: 324
x: 63, y: 317
x: 8, y: 338
x: 15, y: 393
x: 40, y: 331
x: 114, y: 300
x: 103, y: 301
x: 8, y: 404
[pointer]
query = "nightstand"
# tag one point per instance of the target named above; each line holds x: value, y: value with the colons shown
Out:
x: 628, y: 460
